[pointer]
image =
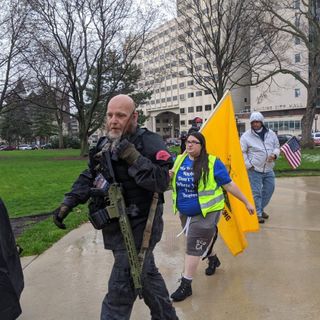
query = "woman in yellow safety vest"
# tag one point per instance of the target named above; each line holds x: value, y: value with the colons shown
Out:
x: 197, y: 182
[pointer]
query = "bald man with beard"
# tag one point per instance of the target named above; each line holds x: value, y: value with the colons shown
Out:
x: 140, y: 163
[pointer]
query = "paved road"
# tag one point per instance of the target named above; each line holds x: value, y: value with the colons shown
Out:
x: 277, y: 277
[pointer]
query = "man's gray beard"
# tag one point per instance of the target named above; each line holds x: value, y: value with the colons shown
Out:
x: 114, y: 141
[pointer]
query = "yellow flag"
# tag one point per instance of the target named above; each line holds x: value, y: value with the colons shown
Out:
x: 222, y: 140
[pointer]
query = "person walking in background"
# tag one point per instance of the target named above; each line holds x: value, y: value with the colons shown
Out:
x: 198, y: 180
x: 183, y: 138
x: 260, y: 147
x: 195, y: 125
x: 138, y: 160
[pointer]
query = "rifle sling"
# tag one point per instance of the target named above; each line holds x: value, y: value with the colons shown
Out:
x: 148, y: 229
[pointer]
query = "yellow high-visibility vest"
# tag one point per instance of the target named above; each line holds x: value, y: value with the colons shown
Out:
x: 210, y: 196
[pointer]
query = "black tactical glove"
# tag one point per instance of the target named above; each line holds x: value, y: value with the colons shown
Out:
x: 127, y: 151
x: 59, y: 215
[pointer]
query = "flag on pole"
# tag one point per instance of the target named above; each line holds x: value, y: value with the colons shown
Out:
x: 222, y: 140
x: 292, y: 152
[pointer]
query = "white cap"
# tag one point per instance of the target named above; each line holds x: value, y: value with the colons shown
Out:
x: 256, y: 116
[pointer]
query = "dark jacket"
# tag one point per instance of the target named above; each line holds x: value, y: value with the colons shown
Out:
x: 147, y: 175
x: 11, y: 276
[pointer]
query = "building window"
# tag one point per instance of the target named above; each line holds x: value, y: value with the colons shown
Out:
x: 182, y: 122
x: 163, y: 100
x: 174, y: 98
x: 297, y: 93
x: 182, y: 110
x: 198, y: 93
x: 297, y: 40
x: 181, y: 85
x: 297, y: 58
x: 158, y: 129
x: 296, y: 4
x: 206, y: 92
x: 198, y: 108
x: 190, y: 109
x: 190, y: 121
x: 182, y: 97
x: 207, y: 107
x: 157, y: 120
x: 168, y: 99
x: 190, y: 83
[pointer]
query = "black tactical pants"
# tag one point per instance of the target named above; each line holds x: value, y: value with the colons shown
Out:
x: 118, y: 302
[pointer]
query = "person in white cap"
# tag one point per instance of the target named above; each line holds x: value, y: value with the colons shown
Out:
x: 260, y: 147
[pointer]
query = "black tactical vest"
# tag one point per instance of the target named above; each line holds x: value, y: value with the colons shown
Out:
x: 136, y: 198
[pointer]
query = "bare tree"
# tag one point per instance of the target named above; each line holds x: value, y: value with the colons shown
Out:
x: 77, y: 39
x: 299, y: 21
x: 222, y: 43
x: 12, y: 36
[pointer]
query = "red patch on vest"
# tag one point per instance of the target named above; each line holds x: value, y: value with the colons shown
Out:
x: 163, y: 155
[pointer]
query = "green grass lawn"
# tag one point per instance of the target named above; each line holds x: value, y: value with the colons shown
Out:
x: 35, y: 181
x: 310, y: 164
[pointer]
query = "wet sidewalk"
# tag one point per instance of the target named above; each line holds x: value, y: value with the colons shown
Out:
x: 277, y: 277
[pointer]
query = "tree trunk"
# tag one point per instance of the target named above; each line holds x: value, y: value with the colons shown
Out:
x: 61, y: 143
x: 307, y: 121
x: 84, y: 151
x: 59, y: 119
x: 84, y: 146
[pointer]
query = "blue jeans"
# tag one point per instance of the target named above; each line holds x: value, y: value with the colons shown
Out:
x: 262, y: 186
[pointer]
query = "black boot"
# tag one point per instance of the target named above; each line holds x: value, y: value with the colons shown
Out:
x: 213, y: 263
x: 183, y: 291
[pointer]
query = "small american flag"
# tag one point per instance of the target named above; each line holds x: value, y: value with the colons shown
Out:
x: 292, y: 151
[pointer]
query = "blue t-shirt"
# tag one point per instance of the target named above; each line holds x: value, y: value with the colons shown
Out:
x: 187, y: 196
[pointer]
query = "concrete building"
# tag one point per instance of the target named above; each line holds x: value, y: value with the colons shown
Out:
x: 176, y: 100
